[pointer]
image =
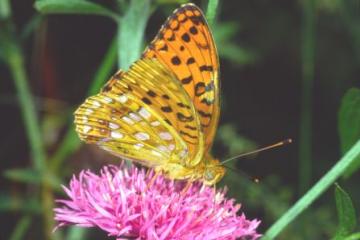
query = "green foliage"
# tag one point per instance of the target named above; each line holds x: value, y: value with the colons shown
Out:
x: 44, y: 175
x: 346, y: 214
x: 224, y: 33
x: 73, y: 7
x: 309, y: 197
x: 211, y: 11
x: 349, y: 124
x: 5, y: 10
x: 355, y: 236
x: 131, y: 32
x: 32, y: 176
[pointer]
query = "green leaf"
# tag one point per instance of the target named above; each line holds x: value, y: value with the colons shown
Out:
x: 355, y: 236
x: 28, y: 175
x: 73, y: 7
x: 346, y: 213
x: 21, y: 227
x: 77, y: 233
x: 5, y: 10
x: 310, y: 196
x: 211, y: 11
x: 19, y: 203
x: 349, y: 125
x: 131, y: 32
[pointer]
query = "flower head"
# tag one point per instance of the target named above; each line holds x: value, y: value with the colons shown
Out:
x: 124, y: 203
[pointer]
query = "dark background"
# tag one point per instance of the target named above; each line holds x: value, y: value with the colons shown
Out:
x: 261, y: 99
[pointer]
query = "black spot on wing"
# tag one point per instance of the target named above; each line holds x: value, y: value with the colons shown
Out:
x: 207, y: 102
x: 181, y: 117
x: 190, y: 60
x: 204, y: 114
x: 200, y: 88
x: 206, y: 68
x: 151, y: 93
x: 166, y: 109
x: 190, y: 127
x: 185, y: 37
x: 187, y: 80
x: 165, y: 96
x: 146, y: 101
x: 193, y: 30
x: 187, y: 134
x: 180, y: 104
x: 163, y: 48
x: 175, y: 60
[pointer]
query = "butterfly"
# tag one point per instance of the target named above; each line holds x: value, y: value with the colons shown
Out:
x: 164, y: 111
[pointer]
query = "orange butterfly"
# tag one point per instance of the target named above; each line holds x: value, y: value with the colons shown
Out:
x: 163, y: 112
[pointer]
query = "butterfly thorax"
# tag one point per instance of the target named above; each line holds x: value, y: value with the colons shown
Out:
x: 209, y: 171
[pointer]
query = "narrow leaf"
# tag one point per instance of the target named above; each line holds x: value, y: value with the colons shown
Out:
x: 73, y: 7
x: 211, y: 11
x: 310, y: 196
x: 27, y: 175
x: 131, y: 32
x: 346, y: 213
x: 355, y: 236
x: 19, y: 204
x: 349, y: 124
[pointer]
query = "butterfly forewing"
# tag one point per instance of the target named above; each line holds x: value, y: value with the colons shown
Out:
x: 140, y: 114
x: 186, y: 46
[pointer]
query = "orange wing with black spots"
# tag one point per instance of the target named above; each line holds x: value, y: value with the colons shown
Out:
x: 186, y: 46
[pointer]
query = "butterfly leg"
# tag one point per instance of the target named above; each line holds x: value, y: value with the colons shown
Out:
x: 152, y: 180
x: 189, y: 182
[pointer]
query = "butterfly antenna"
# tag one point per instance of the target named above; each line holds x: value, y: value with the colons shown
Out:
x: 278, y: 144
x: 242, y: 173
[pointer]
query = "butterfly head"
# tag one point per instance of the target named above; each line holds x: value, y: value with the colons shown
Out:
x: 213, y: 171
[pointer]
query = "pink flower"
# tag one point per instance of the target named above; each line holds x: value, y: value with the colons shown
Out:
x: 122, y: 202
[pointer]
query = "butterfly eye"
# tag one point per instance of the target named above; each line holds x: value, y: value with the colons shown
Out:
x: 209, y: 175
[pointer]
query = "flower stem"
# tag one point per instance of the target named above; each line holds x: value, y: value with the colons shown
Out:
x: 131, y: 30
x: 71, y: 141
x: 28, y: 109
x: 324, y: 183
x: 308, y: 49
x: 211, y: 11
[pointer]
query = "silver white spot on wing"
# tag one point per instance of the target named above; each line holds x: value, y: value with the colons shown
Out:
x: 86, y: 129
x: 116, y: 135
x: 138, y: 145
x: 134, y: 117
x: 107, y: 99
x: 113, y: 125
x: 142, y: 136
x: 155, y: 123
x: 127, y: 120
x: 144, y: 113
x: 165, y: 136
x: 123, y: 98
x: 96, y: 104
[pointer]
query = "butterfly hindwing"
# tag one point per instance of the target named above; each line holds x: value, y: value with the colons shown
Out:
x: 186, y: 46
x: 143, y: 115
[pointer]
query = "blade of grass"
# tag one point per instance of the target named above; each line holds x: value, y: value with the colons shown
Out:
x: 351, y: 21
x: 355, y: 236
x: 103, y: 72
x: 349, y: 124
x: 5, y: 10
x: 21, y: 227
x: 71, y: 142
x: 308, y: 51
x: 211, y: 11
x: 346, y: 214
x: 305, y: 201
x: 73, y: 7
x: 28, y: 110
x: 131, y: 30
